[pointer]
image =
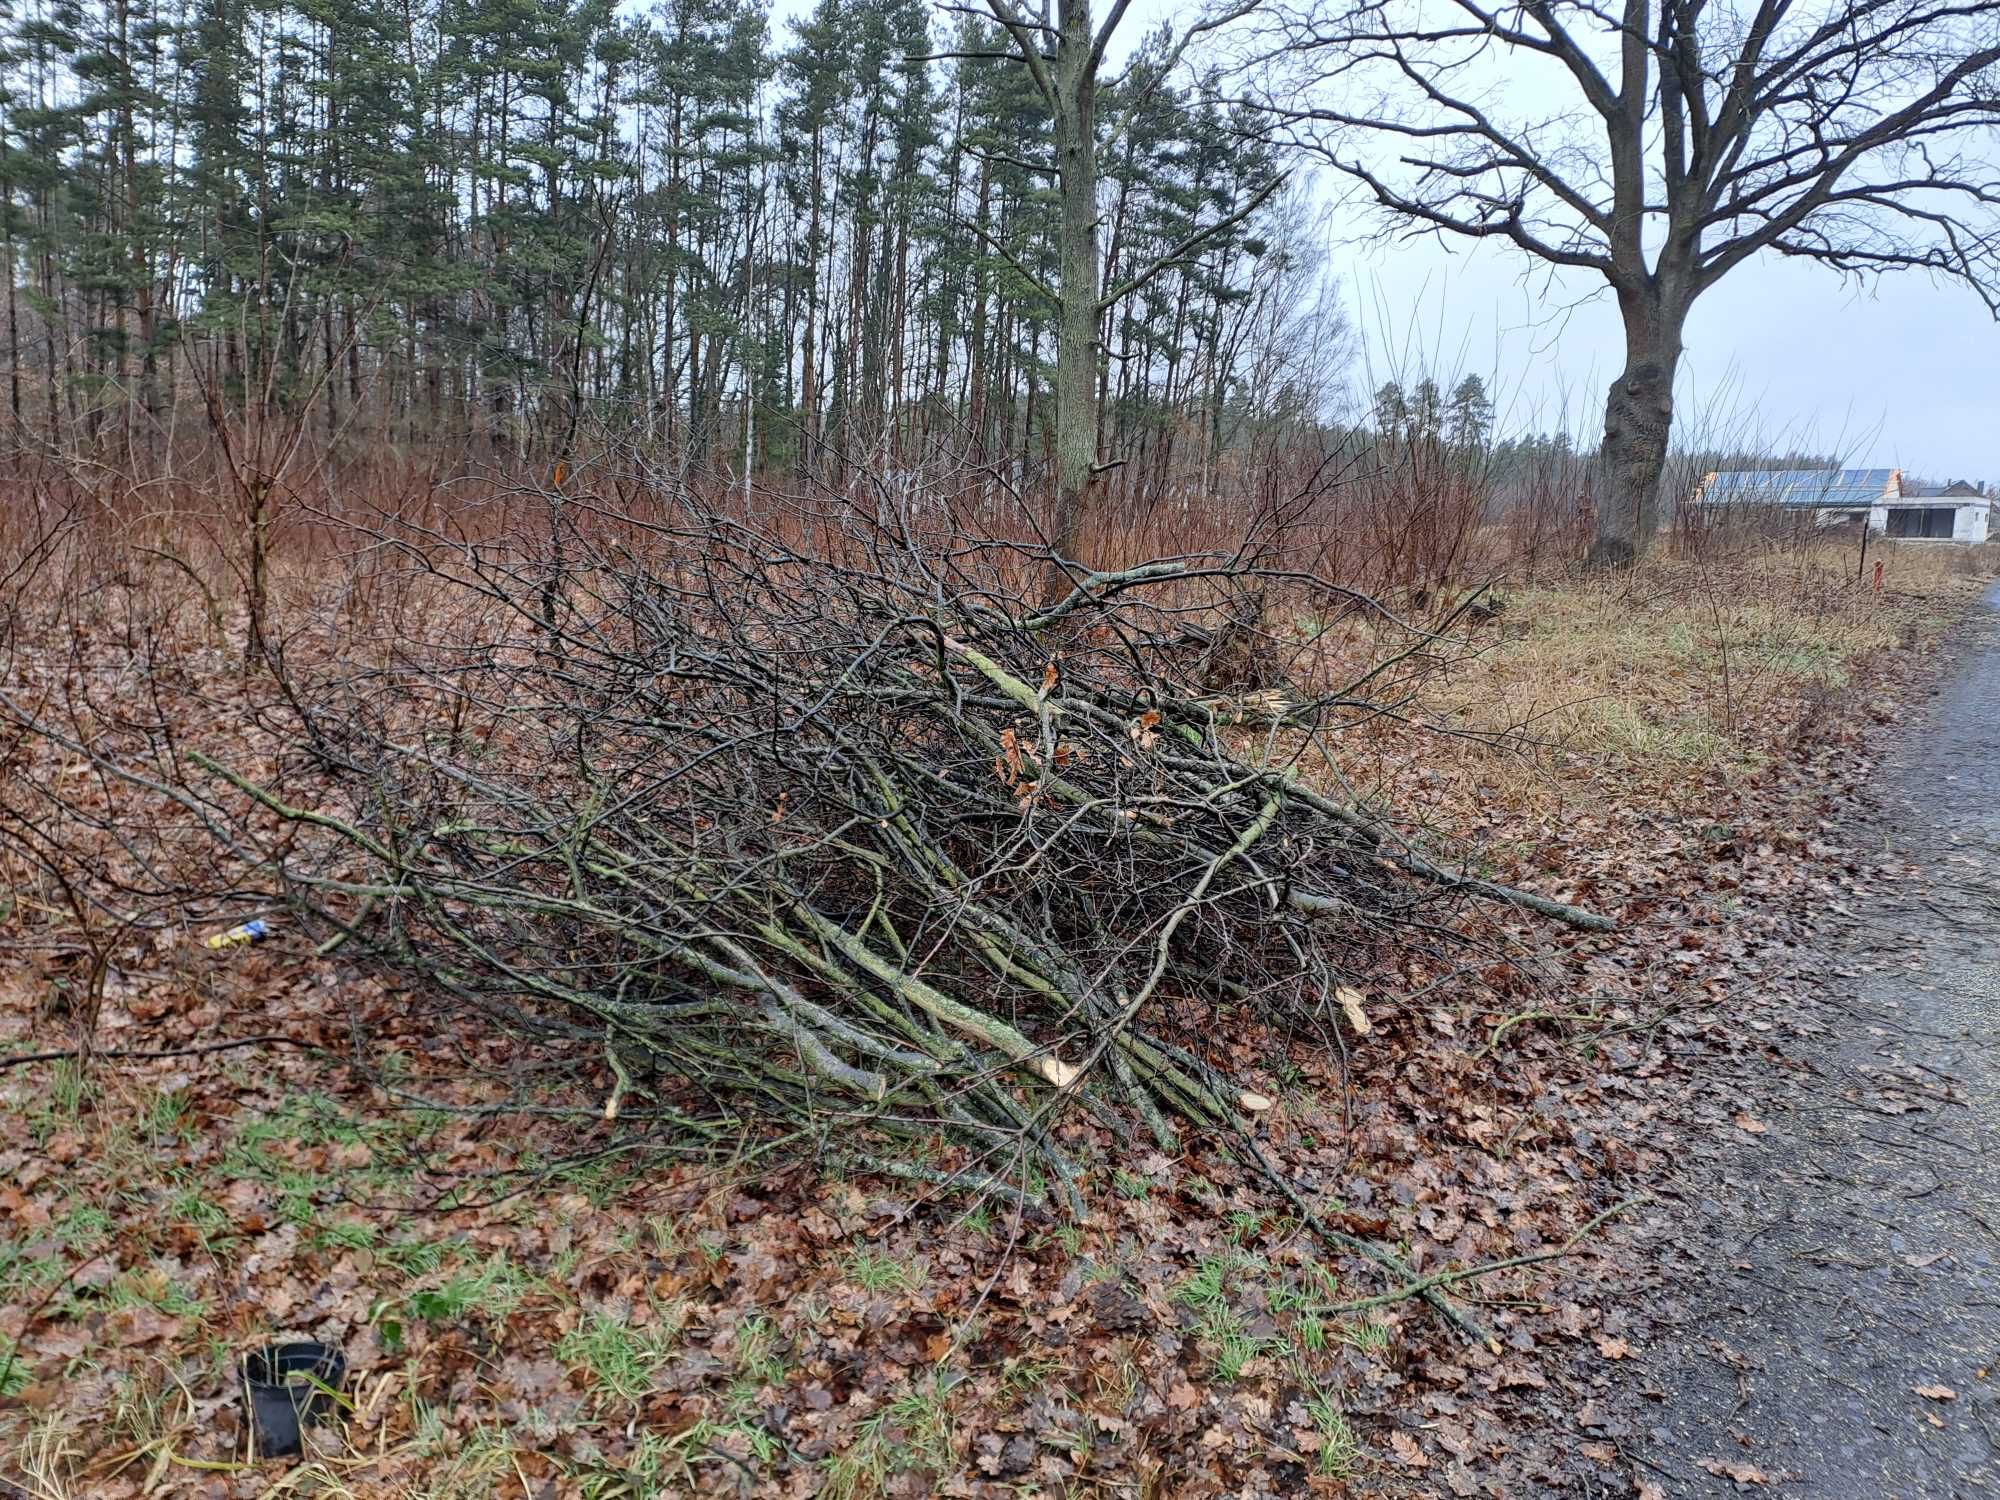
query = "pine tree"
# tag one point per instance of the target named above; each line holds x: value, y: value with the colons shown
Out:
x: 480, y: 220
x: 1470, y: 414
x: 1392, y: 411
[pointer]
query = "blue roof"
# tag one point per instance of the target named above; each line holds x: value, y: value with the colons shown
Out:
x: 1811, y: 488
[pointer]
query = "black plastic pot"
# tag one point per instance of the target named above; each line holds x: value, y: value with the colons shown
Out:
x: 286, y: 1386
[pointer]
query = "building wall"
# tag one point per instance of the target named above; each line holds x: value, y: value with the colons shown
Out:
x: 1971, y: 523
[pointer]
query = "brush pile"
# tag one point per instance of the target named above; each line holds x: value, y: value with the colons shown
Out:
x: 856, y: 834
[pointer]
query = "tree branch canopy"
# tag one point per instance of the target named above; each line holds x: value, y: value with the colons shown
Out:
x: 1660, y: 143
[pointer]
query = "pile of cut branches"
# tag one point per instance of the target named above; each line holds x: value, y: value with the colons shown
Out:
x: 859, y: 835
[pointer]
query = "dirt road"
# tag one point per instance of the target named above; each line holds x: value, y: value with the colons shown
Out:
x: 1841, y: 1268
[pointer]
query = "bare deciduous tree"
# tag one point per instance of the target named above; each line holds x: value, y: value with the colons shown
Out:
x: 1660, y: 144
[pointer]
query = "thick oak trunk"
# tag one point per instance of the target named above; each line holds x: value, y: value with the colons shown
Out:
x: 1638, y: 416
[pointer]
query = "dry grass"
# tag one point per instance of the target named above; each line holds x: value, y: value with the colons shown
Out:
x: 1664, y: 678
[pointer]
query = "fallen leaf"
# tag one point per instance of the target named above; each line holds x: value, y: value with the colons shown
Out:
x: 1406, y: 1449
x: 530, y: 1379
x: 66, y: 1146
x: 1741, y: 1473
x: 1613, y: 1348
x: 1751, y: 1124
x: 1935, y: 1392
x: 143, y: 1324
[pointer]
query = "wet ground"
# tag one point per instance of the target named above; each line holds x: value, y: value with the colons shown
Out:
x: 1838, y: 1264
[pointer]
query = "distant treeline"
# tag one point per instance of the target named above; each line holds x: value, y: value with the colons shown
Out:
x: 480, y: 221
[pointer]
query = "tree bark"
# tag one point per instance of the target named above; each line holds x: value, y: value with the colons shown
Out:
x: 1638, y: 415
x: 1076, y: 346
x: 809, y: 355
x: 975, y: 338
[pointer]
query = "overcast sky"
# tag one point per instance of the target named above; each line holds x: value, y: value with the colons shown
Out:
x: 1780, y: 354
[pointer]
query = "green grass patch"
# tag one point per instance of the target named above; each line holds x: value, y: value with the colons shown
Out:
x: 13, y: 1369
x: 83, y: 1226
x: 413, y: 1256
x: 155, y: 1289
x: 874, y: 1271
x: 910, y: 1433
x: 491, y: 1290
x: 345, y: 1234
x: 1131, y: 1184
x: 616, y: 1359
x: 759, y: 1358
x: 1339, y: 1452
x: 1231, y: 1345
x: 1371, y: 1337
x: 191, y: 1204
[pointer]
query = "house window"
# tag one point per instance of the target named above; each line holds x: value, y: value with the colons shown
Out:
x: 1931, y: 522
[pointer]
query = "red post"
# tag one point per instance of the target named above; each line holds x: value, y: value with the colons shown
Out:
x: 1878, y: 575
